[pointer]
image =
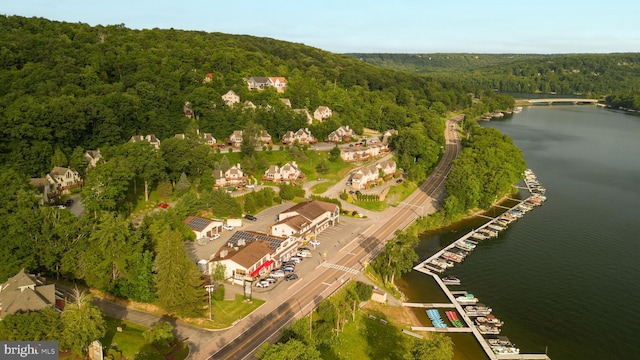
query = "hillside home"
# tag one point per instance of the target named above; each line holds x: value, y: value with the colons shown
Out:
x: 186, y: 110
x: 264, y: 138
x: 235, y: 139
x: 230, y: 98
x: 288, y: 172
x: 322, y: 113
x: 62, y: 178
x: 92, y: 157
x: 152, y: 139
x: 232, y: 177
x: 286, y: 102
x: 363, y: 153
x: 364, y: 177
x: 305, y: 220
x: 302, y: 136
x: 257, y: 82
x: 279, y: 83
x: 25, y: 292
x: 342, y: 134
x: 207, y: 78
x: 248, y: 105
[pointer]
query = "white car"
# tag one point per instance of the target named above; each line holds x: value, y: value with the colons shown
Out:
x: 304, y: 254
x: 227, y: 227
x: 263, y: 284
x: 215, y: 236
x: 250, y: 186
x: 296, y: 259
x: 314, y: 243
x: 277, y: 274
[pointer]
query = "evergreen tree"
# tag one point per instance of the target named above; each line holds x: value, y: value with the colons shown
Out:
x: 178, y: 280
x: 183, y: 184
x: 250, y: 204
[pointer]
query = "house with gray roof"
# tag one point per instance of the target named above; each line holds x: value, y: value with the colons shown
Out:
x: 25, y: 292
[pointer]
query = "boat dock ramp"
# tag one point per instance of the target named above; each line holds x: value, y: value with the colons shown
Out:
x: 456, y: 252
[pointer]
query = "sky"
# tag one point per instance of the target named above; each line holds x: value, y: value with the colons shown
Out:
x: 376, y: 26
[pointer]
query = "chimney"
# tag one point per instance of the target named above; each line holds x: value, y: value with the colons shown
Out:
x: 223, y: 253
x: 235, y: 248
x: 242, y: 242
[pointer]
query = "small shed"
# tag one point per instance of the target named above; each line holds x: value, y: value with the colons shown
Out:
x: 379, y: 296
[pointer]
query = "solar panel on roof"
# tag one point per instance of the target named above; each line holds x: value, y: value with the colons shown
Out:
x: 198, y: 223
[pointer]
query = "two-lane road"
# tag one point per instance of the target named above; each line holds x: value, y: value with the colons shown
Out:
x: 304, y: 295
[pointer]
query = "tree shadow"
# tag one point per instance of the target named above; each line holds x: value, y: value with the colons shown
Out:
x: 384, y: 339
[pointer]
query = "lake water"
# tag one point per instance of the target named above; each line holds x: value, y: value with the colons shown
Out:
x: 564, y: 278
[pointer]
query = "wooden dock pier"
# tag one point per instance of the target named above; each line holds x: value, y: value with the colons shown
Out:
x: 424, y: 267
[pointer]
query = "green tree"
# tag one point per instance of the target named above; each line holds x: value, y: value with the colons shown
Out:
x: 59, y: 158
x: 334, y: 154
x: 250, y: 204
x: 291, y: 350
x: 436, y: 347
x: 82, y: 323
x: 160, y: 334
x: 178, y: 280
x: 32, y: 326
x: 397, y: 257
x: 183, y: 184
x: 250, y: 139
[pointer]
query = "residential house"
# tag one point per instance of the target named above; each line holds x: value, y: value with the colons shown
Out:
x: 264, y: 138
x: 288, y: 172
x: 63, y: 178
x: 257, y: 82
x: 262, y: 82
x: 302, y: 136
x: 92, y: 157
x: 25, y: 292
x: 279, y: 83
x: 364, y: 177
x: 306, y: 220
x: 368, y: 175
x: 304, y: 112
x: 363, y: 153
x: 286, y: 102
x: 342, y: 134
x: 232, y: 177
x: 207, y: 78
x: 186, y: 109
x: 152, y: 139
x: 235, y: 139
x: 230, y: 98
x: 203, y: 228
x: 181, y: 136
x: 387, y: 135
x: 248, y: 105
x: 209, y: 139
x: 322, y: 113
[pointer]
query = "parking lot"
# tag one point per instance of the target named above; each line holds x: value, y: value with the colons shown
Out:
x: 331, y: 241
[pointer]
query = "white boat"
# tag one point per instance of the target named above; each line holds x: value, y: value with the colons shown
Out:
x: 505, y: 350
x: 477, y: 310
x: 464, y: 246
x: 467, y: 299
x: 488, y: 330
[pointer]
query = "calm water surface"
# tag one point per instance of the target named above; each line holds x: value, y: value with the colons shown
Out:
x: 565, y: 277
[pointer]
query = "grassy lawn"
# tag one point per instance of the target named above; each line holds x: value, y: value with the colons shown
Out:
x: 224, y: 313
x: 129, y: 342
x: 366, y: 338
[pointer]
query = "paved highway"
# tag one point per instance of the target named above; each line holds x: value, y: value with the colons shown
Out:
x: 304, y: 295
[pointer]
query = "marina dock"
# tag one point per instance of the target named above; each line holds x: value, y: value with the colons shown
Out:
x: 441, y: 260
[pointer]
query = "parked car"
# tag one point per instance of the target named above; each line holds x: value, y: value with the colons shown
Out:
x: 289, y: 263
x: 163, y: 205
x: 314, y: 243
x: 304, y: 254
x: 270, y: 280
x: 263, y: 284
x: 215, y: 236
x: 68, y: 203
x: 399, y: 181
x: 61, y: 206
x: 277, y: 274
x: 288, y: 269
x: 250, y: 217
x: 291, y: 276
x: 250, y: 186
x: 351, y: 192
x: 295, y: 259
x: 304, y: 248
x: 227, y: 227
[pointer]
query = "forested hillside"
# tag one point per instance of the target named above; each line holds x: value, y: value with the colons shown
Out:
x: 593, y: 75
x: 72, y: 86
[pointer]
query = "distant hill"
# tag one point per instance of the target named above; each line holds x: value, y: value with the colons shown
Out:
x: 588, y: 74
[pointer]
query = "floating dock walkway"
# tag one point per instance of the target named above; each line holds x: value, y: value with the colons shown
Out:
x: 427, y: 267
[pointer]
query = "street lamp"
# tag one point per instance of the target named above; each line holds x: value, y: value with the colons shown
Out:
x: 209, y: 289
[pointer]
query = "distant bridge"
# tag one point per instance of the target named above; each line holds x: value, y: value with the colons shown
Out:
x: 549, y: 101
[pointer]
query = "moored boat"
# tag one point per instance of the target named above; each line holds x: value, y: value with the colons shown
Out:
x: 488, y: 330
x: 478, y: 309
x: 505, y: 350
x: 467, y: 299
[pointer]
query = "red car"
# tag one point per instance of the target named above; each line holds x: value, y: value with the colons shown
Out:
x: 163, y: 205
